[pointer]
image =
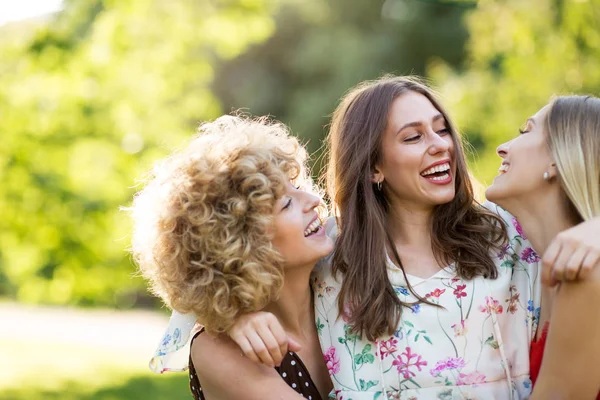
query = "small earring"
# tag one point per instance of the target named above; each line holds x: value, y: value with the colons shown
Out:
x: 546, y: 176
x: 379, y: 185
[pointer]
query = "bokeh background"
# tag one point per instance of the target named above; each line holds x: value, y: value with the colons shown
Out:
x: 93, y: 91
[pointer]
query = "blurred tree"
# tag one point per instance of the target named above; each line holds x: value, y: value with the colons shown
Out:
x: 86, y: 105
x: 320, y: 49
x: 520, y: 53
x: 98, y: 93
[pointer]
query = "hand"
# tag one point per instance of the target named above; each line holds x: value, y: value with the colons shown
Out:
x: 262, y: 339
x: 572, y: 254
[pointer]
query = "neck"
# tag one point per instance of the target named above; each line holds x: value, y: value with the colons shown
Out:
x: 411, y: 226
x: 533, y: 216
x: 294, y: 307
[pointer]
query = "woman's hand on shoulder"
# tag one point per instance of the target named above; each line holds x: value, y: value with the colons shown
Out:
x: 225, y: 373
x: 573, y: 254
x: 262, y: 339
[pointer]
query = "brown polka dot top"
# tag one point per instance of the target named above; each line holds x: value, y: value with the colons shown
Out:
x: 292, y: 371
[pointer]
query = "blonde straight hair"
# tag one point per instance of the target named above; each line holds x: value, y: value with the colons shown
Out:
x: 573, y: 134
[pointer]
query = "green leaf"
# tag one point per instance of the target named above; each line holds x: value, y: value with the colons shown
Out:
x: 417, y: 337
x: 409, y: 324
x: 368, y: 358
x: 367, y: 348
x: 427, y: 339
x: 342, y: 340
x: 377, y: 395
x: 358, y: 359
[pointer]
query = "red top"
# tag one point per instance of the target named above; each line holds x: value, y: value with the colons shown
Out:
x: 536, y: 355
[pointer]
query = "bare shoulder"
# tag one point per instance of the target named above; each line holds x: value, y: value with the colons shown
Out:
x: 225, y: 373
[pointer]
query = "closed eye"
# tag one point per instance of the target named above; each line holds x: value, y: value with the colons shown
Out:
x: 522, y: 131
x: 412, y: 138
x: 287, y: 204
x: 444, y: 131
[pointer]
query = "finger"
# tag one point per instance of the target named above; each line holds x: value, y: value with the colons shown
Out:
x: 271, y: 343
x: 246, y: 347
x: 548, y: 260
x: 294, y: 345
x: 560, y: 264
x: 589, y: 263
x: 574, y: 263
x: 281, y: 338
x: 260, y: 348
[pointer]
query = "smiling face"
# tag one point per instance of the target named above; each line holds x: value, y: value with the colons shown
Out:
x: 298, y: 234
x: 417, y: 164
x: 525, y: 160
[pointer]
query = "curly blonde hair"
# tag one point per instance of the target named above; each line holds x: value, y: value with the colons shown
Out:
x: 202, y: 223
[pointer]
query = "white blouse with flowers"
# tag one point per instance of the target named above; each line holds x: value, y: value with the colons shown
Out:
x: 476, y: 346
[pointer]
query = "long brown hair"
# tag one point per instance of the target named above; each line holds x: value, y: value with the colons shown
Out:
x: 462, y: 231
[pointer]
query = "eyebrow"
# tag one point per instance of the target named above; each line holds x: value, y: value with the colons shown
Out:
x: 418, y: 123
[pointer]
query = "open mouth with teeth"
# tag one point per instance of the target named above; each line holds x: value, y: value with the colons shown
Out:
x: 439, y: 172
x: 313, y: 228
x: 503, y: 169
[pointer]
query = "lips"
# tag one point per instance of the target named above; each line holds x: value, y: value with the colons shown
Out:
x: 313, y: 227
x: 503, y: 168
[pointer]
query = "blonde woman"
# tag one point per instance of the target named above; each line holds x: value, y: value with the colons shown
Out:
x: 550, y: 180
x: 226, y: 227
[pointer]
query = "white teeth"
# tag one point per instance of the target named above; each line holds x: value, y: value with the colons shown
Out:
x: 437, y: 168
x: 503, y: 168
x: 312, y: 227
x: 440, y: 178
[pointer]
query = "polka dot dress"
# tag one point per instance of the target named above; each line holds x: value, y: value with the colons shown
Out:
x: 292, y: 371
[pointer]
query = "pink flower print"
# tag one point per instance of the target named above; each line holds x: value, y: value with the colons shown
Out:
x: 460, y: 329
x: 448, y: 363
x: 388, y: 347
x: 405, y: 361
x: 332, y: 361
x: 459, y: 291
x: 470, y: 379
x: 347, y: 315
x: 518, y: 228
x: 529, y: 256
x: 491, y: 305
x: 503, y: 251
x: 436, y: 293
x: 454, y: 280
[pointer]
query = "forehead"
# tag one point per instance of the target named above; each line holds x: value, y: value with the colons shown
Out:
x: 412, y: 107
x: 541, y: 114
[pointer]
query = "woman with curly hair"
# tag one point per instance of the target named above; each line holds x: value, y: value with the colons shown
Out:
x: 227, y: 227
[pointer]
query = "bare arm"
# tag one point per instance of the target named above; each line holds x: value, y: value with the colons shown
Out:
x: 570, y: 365
x: 225, y: 374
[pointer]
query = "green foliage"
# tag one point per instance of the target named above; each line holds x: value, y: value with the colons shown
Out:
x: 520, y: 53
x: 91, y: 98
x: 86, y: 105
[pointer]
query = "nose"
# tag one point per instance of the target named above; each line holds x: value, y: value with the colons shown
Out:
x: 311, y: 202
x: 439, y: 144
x: 502, y: 150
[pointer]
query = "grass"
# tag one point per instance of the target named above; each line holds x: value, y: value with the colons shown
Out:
x: 43, y: 366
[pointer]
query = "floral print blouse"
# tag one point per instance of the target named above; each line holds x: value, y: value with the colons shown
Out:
x: 476, y: 346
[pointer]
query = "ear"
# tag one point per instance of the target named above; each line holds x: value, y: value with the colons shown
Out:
x: 376, y: 175
x: 552, y: 171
